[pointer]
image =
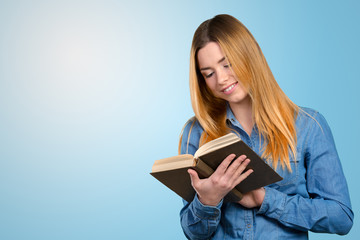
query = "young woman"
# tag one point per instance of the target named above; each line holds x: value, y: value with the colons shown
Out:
x: 233, y: 90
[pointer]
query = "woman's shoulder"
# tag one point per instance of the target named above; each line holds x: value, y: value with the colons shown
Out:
x: 312, y: 115
x: 192, y: 126
x: 190, y: 136
x: 309, y: 115
x: 312, y: 120
x: 306, y: 111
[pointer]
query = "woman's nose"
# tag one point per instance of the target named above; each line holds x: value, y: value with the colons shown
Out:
x: 223, y: 75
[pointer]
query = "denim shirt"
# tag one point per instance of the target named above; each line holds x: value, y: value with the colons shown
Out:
x: 314, y: 196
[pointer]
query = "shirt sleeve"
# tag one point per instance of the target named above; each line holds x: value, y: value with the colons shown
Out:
x: 328, y: 209
x: 198, y: 221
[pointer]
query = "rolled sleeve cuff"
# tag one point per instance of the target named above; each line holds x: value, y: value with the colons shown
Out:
x: 205, y: 212
x: 273, y: 204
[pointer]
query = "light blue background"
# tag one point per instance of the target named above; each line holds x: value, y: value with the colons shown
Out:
x: 92, y: 92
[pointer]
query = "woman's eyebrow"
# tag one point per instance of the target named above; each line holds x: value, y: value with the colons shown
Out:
x: 207, y: 68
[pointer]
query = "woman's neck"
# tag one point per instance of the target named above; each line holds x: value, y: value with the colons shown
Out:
x: 243, y: 113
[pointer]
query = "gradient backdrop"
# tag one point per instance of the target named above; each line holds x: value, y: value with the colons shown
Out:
x: 92, y: 92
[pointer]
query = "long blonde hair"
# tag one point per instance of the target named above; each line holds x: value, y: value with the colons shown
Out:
x: 273, y: 112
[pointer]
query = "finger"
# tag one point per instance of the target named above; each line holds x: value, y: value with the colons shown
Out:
x: 231, y: 170
x: 243, y: 176
x: 241, y: 168
x: 194, y: 177
x: 221, y: 169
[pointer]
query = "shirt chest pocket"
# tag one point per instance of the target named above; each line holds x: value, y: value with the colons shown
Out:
x: 289, y: 177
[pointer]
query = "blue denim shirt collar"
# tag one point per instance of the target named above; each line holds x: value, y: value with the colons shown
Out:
x: 231, y: 119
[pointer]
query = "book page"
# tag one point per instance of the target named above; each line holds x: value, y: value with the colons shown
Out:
x: 184, y: 160
x: 218, y: 143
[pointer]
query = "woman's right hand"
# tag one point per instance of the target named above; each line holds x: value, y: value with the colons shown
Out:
x: 211, y: 190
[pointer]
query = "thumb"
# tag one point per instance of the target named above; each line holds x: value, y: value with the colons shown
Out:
x: 194, y: 177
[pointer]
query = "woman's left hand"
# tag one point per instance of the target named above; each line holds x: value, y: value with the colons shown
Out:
x: 253, y: 198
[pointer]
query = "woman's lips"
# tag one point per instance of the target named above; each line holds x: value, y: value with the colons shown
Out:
x: 228, y: 90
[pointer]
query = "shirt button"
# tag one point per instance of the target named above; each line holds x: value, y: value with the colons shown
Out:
x: 248, y: 225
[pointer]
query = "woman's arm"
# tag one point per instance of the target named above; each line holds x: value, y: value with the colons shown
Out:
x: 328, y: 209
x: 197, y: 220
x: 200, y: 218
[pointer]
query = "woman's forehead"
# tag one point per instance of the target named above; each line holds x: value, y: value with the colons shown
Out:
x: 210, y: 55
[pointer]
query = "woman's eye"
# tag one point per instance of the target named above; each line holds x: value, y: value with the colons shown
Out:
x: 209, y: 75
x: 227, y: 65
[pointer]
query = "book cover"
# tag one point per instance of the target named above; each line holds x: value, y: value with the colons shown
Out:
x: 172, y: 172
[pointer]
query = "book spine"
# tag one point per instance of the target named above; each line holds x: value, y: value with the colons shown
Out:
x: 202, y: 168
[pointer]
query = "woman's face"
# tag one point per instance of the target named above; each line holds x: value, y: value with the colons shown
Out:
x: 218, y: 75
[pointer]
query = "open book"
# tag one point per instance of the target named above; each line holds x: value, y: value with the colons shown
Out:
x: 172, y: 171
